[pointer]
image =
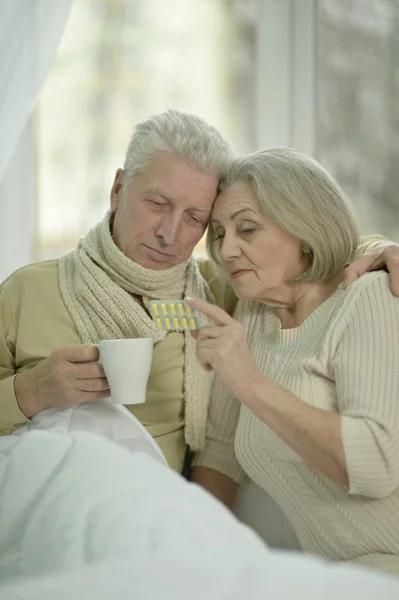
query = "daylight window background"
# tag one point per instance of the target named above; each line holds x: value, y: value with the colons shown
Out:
x: 357, y: 130
x: 121, y: 60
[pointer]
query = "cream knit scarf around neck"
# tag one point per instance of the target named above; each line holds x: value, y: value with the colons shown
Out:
x: 97, y: 282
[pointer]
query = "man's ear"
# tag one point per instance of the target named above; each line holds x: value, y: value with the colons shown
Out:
x: 116, y: 190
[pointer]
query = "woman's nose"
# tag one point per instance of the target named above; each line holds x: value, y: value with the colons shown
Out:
x: 229, y: 248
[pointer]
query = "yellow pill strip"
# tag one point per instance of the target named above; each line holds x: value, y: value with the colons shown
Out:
x: 174, y: 315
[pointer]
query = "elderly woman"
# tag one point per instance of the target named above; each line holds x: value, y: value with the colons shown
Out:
x: 307, y: 374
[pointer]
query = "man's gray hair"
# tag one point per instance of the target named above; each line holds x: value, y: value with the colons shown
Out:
x: 181, y: 134
x: 296, y: 193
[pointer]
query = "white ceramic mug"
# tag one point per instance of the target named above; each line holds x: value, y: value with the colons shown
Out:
x: 127, y: 364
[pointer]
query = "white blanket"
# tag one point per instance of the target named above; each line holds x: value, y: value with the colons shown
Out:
x: 114, y: 422
x: 83, y: 518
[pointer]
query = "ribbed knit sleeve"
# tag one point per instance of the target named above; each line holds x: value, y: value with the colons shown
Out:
x: 372, y: 243
x: 366, y: 366
x: 222, y: 423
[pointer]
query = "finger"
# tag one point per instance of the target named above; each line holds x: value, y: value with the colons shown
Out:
x: 360, y: 267
x: 207, y: 331
x: 78, y: 354
x: 92, y: 385
x: 213, y: 350
x: 393, y: 268
x: 350, y: 275
x: 357, y: 269
x: 208, y: 350
x: 204, y: 356
x: 215, y: 313
x: 209, y: 344
x: 86, y: 370
x: 377, y: 263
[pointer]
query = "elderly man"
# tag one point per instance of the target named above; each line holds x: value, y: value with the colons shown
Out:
x: 51, y: 311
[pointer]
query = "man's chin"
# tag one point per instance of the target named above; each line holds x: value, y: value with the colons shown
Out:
x: 154, y: 266
x: 146, y: 263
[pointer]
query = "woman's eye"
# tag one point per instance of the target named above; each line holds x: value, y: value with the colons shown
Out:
x: 248, y: 231
x: 218, y: 236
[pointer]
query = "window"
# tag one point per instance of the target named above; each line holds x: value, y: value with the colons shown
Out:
x: 357, y: 129
x: 250, y: 67
x: 120, y: 61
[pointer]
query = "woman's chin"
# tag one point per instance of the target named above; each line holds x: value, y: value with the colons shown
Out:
x: 243, y: 292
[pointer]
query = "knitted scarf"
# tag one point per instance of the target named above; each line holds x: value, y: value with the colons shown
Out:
x: 97, y: 282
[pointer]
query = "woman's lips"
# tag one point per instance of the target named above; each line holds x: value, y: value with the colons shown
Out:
x: 239, y: 273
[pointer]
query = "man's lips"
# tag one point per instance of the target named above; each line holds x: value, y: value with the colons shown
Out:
x: 165, y: 254
x: 238, y: 273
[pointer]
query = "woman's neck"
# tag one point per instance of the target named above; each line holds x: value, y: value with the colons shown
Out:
x: 301, y: 300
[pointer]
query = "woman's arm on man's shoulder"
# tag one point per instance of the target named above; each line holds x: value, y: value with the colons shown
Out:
x: 375, y: 252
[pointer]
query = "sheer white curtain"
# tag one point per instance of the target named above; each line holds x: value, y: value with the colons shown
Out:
x: 30, y: 31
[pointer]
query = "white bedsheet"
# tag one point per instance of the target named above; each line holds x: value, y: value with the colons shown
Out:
x: 114, y: 422
x: 82, y: 518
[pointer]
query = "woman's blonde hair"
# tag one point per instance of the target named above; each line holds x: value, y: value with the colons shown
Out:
x: 296, y: 193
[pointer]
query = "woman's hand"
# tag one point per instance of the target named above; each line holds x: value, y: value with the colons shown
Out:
x: 371, y: 261
x: 312, y: 433
x: 222, y: 348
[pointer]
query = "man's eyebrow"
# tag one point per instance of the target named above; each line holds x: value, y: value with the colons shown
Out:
x: 235, y: 214
x: 160, y: 193
x: 200, y: 208
x: 171, y: 200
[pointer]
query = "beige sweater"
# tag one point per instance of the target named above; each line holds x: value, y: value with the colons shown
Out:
x: 34, y: 322
x: 343, y: 358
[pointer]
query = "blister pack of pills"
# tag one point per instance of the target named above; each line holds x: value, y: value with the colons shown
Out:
x: 174, y: 315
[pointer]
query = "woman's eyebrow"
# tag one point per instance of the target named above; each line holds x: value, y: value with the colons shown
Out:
x: 235, y: 214
x: 238, y: 212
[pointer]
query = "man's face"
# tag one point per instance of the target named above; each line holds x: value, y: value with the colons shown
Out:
x: 163, y: 213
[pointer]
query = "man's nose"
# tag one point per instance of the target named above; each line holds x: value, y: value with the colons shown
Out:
x: 168, y: 229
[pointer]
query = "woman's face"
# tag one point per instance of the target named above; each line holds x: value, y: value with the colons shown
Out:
x: 258, y: 256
